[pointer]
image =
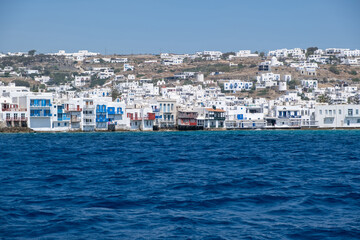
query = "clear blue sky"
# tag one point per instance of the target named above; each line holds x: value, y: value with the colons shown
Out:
x: 180, y: 26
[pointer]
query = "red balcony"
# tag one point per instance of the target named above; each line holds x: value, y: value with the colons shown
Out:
x: 191, y: 122
x: 149, y: 116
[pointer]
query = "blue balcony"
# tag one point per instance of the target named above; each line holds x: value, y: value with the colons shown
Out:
x: 40, y: 103
x: 101, y: 120
x: 101, y: 109
x: 156, y: 110
x: 111, y: 110
x: 119, y: 110
x: 40, y: 115
x: 63, y: 119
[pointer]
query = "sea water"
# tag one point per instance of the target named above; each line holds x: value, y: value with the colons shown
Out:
x: 181, y: 185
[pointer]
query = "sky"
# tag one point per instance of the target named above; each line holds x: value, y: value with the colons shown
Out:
x: 176, y: 26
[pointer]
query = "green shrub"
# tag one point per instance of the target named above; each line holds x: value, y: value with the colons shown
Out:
x: 334, y: 70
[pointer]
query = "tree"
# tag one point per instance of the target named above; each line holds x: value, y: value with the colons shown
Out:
x: 324, y: 98
x: 21, y: 83
x: 240, y: 66
x: 227, y: 54
x: 311, y: 50
x: 31, y: 52
x: 292, y: 84
x: 115, y: 94
x: 353, y: 72
x: 262, y: 54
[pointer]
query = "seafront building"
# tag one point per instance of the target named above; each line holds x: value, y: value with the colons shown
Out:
x: 184, y: 107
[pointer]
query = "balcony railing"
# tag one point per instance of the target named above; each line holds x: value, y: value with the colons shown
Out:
x: 185, y: 115
x: 101, y: 120
x: 290, y: 116
x: 40, y: 115
x: 219, y: 118
x: 188, y: 124
x: 89, y: 106
x: 75, y: 119
x: 14, y: 109
x: 17, y: 119
x: 40, y: 105
x: 64, y: 119
x: 73, y: 110
x: 88, y: 123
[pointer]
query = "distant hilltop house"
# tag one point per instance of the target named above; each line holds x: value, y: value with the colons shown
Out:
x: 79, y: 56
x: 306, y: 68
x: 42, y: 79
x: 237, y: 85
x: 267, y: 80
x: 266, y: 66
x: 128, y: 67
x: 81, y: 81
x: 342, y: 52
x: 118, y: 60
x: 172, y: 59
x: 245, y: 53
x: 212, y: 55
x: 309, y: 84
x: 284, y: 53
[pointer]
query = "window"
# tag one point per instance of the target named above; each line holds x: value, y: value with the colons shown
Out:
x: 320, y: 112
x: 65, y: 124
x: 330, y: 112
x: 357, y: 111
x: 326, y: 112
x: 58, y: 124
x: 339, y: 111
x: 350, y: 112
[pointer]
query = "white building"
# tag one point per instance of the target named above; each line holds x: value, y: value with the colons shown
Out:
x: 267, y: 80
x: 309, y: 84
x: 246, y: 53
x: 42, y: 79
x: 237, y: 85
x: 341, y: 116
x: 81, y: 81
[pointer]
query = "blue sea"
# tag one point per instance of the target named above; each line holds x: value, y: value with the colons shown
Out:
x: 181, y: 185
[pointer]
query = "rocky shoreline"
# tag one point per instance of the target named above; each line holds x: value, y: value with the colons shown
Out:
x: 16, y: 130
